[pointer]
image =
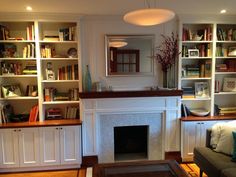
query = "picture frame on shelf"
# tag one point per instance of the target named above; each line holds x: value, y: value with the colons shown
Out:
x: 11, y: 91
x: 193, y: 53
x: 229, y: 85
x: 202, y: 90
x: 232, y: 51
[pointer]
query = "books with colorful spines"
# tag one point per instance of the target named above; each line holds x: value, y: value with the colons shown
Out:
x: 33, y: 113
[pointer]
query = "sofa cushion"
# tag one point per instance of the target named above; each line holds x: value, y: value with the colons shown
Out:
x: 225, y: 144
x: 229, y: 172
x: 215, y: 134
x: 212, y: 162
x: 234, y: 147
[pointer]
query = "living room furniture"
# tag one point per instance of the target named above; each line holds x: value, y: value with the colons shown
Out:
x: 193, y: 133
x: 214, y: 164
x: 163, y: 168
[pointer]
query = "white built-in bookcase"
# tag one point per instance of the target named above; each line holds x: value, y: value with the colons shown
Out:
x: 23, y: 104
x: 221, y: 98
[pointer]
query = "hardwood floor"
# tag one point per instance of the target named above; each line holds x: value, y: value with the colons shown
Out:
x: 65, y: 173
x: 191, y: 169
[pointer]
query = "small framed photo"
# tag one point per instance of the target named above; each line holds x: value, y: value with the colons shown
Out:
x: 193, y: 53
x: 232, y: 52
x: 11, y: 91
x: 202, y: 90
x: 229, y: 85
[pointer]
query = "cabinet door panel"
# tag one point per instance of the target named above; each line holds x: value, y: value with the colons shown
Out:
x: 9, y: 148
x: 189, y: 139
x: 70, y: 144
x: 49, y: 146
x: 29, y: 147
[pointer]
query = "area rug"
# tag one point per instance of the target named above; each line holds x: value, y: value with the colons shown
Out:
x: 191, y: 169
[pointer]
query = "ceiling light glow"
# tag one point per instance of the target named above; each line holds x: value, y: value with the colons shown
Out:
x: 223, y: 11
x: 28, y: 8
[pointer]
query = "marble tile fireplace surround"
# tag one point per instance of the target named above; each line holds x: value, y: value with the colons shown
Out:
x: 102, y: 112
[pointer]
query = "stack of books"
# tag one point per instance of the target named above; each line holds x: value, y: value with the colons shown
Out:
x: 188, y: 92
x: 227, y: 110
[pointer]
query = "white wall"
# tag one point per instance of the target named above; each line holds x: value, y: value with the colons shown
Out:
x: 93, y: 31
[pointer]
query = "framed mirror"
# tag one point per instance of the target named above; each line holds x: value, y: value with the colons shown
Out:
x: 129, y: 55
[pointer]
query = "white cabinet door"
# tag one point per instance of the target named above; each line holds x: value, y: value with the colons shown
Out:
x: 29, y: 153
x: 70, y: 143
x: 9, y: 148
x: 49, y: 146
x: 190, y: 134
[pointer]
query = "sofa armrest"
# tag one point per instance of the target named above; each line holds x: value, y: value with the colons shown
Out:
x: 208, y: 138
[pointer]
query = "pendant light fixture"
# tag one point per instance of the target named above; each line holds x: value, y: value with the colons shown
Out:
x: 148, y: 16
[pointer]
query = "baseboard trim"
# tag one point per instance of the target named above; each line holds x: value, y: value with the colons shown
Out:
x: 173, y: 155
x: 89, y: 161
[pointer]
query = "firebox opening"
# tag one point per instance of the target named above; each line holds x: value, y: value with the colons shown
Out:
x: 131, y: 142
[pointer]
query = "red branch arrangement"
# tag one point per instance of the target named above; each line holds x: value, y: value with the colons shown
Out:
x: 167, y: 53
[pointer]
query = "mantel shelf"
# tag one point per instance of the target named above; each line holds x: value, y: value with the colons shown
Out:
x: 119, y: 94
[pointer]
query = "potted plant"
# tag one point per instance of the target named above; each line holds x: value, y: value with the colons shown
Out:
x: 166, y: 54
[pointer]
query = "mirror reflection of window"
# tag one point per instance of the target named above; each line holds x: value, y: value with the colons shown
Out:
x: 129, y: 54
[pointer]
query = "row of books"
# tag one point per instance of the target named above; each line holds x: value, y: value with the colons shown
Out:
x: 51, y: 94
x: 69, y: 72
x: 227, y: 66
x: 30, y: 32
x: 47, y: 51
x: 204, y: 50
x: 64, y: 34
x: 67, y: 34
x: 226, y: 34
x: 34, y: 113
x: 29, y: 51
x: 5, y: 33
x: 188, y: 92
x: 203, y: 69
x: 190, y: 35
x: 11, y: 68
x: 71, y: 112
x: 221, y: 51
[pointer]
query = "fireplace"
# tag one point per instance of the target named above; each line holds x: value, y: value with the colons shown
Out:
x: 130, y: 142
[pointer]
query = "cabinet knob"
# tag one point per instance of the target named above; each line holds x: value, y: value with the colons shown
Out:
x: 57, y: 128
x: 19, y: 130
x: 14, y: 130
x: 61, y: 128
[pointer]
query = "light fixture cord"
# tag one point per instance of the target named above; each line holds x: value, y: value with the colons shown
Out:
x: 147, y: 3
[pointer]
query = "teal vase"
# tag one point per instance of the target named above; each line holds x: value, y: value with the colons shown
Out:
x: 88, y: 81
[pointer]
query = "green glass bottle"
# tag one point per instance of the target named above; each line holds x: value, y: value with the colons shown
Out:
x: 88, y: 80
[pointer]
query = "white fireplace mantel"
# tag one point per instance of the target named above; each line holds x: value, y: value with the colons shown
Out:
x: 165, y: 108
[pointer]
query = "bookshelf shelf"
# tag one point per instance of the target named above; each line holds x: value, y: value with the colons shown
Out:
x: 226, y: 57
x: 225, y: 93
x: 196, y: 99
x: 196, y: 58
x: 60, y: 102
x: 59, y: 42
x: 227, y: 42
x: 17, y: 76
x: 21, y: 59
x: 225, y: 73
x: 194, y: 78
x: 190, y: 42
x: 16, y: 41
x: 20, y: 98
x: 59, y: 81
x: 59, y: 59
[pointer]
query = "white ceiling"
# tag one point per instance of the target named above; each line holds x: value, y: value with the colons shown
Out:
x: 117, y: 7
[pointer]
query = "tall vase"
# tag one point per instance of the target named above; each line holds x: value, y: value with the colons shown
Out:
x: 164, y: 79
x: 88, y: 80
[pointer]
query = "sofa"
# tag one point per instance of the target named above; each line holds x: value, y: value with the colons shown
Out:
x: 212, y: 163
